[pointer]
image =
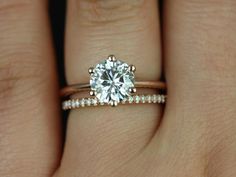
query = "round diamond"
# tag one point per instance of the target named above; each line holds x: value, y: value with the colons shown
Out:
x: 148, y: 98
x: 131, y: 99
x: 143, y: 99
x: 111, y: 81
x: 77, y: 103
x: 94, y: 102
x: 82, y: 102
x: 88, y: 102
x: 137, y: 99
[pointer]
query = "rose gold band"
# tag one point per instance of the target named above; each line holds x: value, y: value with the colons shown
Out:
x: 76, y: 103
x: 75, y: 88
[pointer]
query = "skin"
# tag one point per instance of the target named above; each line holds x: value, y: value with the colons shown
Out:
x: 193, y: 135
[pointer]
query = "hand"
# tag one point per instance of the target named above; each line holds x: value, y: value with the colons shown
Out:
x: 194, y: 135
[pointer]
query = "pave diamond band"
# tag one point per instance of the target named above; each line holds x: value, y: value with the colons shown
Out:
x: 93, y: 102
x: 112, y: 81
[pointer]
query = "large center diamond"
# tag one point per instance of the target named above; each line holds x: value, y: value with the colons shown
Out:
x: 111, y: 81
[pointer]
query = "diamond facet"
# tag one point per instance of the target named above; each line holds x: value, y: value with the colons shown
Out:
x: 111, y: 81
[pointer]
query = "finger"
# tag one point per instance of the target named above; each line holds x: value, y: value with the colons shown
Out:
x: 95, y: 29
x: 29, y: 120
x: 200, y: 71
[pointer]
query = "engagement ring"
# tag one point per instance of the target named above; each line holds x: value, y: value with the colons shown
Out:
x: 112, y: 81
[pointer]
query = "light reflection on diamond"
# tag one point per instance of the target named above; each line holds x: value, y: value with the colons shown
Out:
x: 111, y: 81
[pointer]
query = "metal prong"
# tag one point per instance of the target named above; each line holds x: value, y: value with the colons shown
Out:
x: 132, y: 68
x: 132, y: 90
x: 112, y: 58
x: 113, y: 103
x: 92, y: 93
x: 91, y: 70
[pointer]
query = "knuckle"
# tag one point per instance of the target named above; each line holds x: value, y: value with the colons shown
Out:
x: 108, y: 11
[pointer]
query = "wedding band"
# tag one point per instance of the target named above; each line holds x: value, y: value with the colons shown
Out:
x: 111, y: 82
x: 92, y: 102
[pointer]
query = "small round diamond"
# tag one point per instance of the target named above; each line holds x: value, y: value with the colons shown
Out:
x: 143, y: 99
x: 73, y: 104
x: 111, y: 81
x: 154, y: 98
x: 69, y: 104
x: 131, y: 99
x: 82, y: 102
x: 94, y: 102
x: 163, y: 99
x: 64, y: 105
x: 148, y: 98
x: 77, y: 103
x: 159, y: 99
x: 137, y: 99
x: 88, y: 102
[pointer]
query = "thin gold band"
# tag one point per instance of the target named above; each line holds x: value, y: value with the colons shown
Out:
x: 75, y: 88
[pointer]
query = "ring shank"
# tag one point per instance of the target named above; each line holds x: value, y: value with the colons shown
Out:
x: 75, y: 88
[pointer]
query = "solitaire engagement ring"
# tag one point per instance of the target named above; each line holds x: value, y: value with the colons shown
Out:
x: 112, y: 81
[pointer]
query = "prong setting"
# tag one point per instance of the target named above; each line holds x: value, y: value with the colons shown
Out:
x: 132, y: 68
x: 91, y: 70
x: 132, y: 90
x: 113, y: 103
x: 112, y: 58
x: 92, y: 93
x: 112, y: 74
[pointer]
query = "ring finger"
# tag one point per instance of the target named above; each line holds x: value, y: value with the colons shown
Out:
x: 95, y: 29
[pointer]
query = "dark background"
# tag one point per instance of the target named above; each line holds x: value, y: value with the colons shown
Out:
x: 57, y: 11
